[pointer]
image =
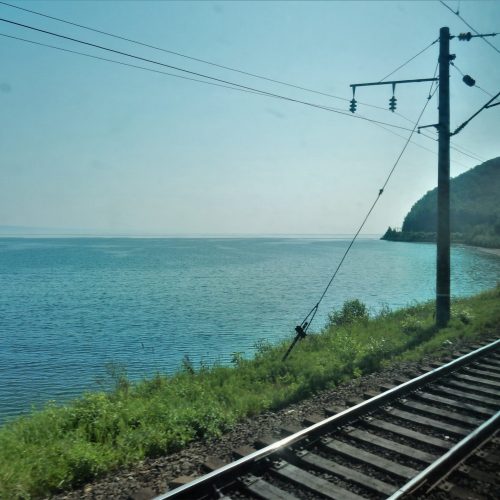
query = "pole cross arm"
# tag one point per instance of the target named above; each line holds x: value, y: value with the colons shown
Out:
x: 394, y: 82
x: 436, y: 125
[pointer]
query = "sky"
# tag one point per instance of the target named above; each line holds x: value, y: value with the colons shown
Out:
x: 92, y: 147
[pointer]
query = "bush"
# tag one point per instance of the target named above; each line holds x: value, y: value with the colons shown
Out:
x: 352, y: 311
x: 462, y: 314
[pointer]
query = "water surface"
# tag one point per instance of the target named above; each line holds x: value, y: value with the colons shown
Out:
x: 69, y: 306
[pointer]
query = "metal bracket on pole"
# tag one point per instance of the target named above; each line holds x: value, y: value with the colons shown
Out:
x: 436, y: 125
x: 395, y: 82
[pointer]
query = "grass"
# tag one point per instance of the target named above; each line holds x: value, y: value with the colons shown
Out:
x: 59, y: 448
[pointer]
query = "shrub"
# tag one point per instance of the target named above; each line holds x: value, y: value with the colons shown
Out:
x: 352, y: 311
x: 411, y: 324
x: 462, y: 314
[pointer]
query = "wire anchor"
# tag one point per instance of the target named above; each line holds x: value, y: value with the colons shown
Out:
x: 301, y: 334
x: 301, y: 329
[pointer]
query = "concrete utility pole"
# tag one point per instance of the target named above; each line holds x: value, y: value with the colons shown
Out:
x: 443, y: 202
x: 443, y: 191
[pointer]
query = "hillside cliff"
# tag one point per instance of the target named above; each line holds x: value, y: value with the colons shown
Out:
x: 474, y: 210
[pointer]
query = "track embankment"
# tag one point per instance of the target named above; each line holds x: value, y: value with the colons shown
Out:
x: 373, y: 455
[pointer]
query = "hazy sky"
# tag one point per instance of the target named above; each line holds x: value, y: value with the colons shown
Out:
x: 106, y: 148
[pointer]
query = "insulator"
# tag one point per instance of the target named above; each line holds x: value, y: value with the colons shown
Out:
x: 352, y: 107
x: 392, y: 103
x: 468, y: 80
x: 465, y: 36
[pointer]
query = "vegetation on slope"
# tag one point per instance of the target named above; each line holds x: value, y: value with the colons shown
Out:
x: 474, y: 210
x: 62, y: 447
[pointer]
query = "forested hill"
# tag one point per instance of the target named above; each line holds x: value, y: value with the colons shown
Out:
x: 475, y: 210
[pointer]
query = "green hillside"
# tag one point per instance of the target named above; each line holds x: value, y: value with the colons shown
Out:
x: 474, y: 215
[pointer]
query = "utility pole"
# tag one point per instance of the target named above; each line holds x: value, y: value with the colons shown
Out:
x: 443, y: 201
x: 443, y: 190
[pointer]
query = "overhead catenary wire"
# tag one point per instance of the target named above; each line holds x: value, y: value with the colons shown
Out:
x: 468, y: 25
x: 463, y: 151
x: 232, y: 85
x: 229, y: 84
x: 423, y: 147
x: 127, y: 54
x: 409, y: 60
x: 458, y: 149
x: 185, y: 56
x: 308, y: 319
x: 128, y: 39
x: 144, y: 68
x: 470, y: 154
x: 204, y: 61
x: 489, y: 104
x: 121, y: 63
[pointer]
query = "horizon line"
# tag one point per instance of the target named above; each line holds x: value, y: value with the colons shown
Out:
x: 29, y: 234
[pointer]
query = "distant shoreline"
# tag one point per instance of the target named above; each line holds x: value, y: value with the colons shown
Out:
x: 492, y: 251
x: 340, y: 236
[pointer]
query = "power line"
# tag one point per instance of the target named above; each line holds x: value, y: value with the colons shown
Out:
x: 462, y: 151
x: 471, y: 154
x: 473, y: 29
x: 489, y: 104
x: 423, y: 147
x: 232, y: 85
x: 121, y: 63
x: 120, y: 37
x: 306, y: 322
x: 475, y: 84
x: 126, y: 54
x: 409, y: 60
x: 484, y: 91
x: 227, y: 84
x: 204, y: 61
x: 459, y: 149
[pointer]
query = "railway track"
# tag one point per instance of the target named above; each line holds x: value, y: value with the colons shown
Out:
x: 433, y: 435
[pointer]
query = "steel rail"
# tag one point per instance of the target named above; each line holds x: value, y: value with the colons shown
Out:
x: 239, y: 466
x: 439, y: 469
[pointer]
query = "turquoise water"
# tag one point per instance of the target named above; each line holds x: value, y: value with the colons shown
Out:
x: 69, y: 306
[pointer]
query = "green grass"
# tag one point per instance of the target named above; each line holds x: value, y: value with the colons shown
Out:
x: 62, y: 447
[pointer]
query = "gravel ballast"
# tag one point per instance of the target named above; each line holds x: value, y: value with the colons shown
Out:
x: 152, y: 476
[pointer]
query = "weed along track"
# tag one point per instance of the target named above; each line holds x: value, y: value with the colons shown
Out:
x: 432, y: 436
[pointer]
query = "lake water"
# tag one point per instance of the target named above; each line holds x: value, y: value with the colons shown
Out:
x: 69, y: 306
